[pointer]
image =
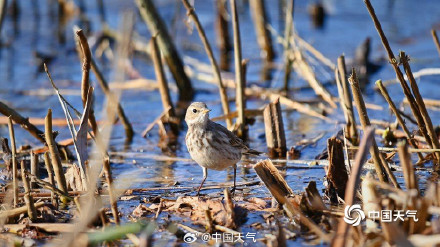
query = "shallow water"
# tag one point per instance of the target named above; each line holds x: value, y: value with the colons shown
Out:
x: 406, y: 23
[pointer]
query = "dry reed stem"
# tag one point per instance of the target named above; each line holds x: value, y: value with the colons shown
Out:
x: 304, y: 68
x: 407, y: 167
x: 340, y: 237
x: 28, y: 199
x: 279, y: 189
x: 156, y: 25
x: 365, y: 121
x: 436, y: 41
x: 34, y: 168
x: 113, y: 199
x: 346, y: 102
x: 17, y: 211
x: 223, y: 37
x: 216, y: 70
x: 54, y: 154
x: 14, y: 161
x: 105, y: 88
x: 85, y: 84
x: 161, y: 79
x: 286, y: 45
x: 239, y: 78
x: 22, y: 121
x: 50, y: 176
x: 399, y: 74
x: 402, y: 124
x: 421, y: 104
x: 264, y: 40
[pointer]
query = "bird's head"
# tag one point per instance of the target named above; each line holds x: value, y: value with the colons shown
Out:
x: 197, y: 114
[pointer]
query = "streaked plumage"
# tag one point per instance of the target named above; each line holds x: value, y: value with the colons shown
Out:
x: 210, y: 144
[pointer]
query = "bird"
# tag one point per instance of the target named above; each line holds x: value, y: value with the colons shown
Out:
x: 211, y: 145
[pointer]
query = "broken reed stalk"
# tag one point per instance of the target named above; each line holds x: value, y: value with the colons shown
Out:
x: 353, y: 184
x: 264, y: 38
x: 274, y: 129
x: 402, y: 124
x: 222, y: 89
x: 28, y: 199
x: 12, y: 213
x: 365, y: 121
x: 223, y: 37
x: 54, y: 153
x: 22, y: 121
x: 420, y: 103
x: 436, y: 41
x: 34, y: 168
x: 120, y: 111
x: 14, y: 161
x: 85, y: 84
x: 399, y: 74
x: 156, y: 25
x: 288, y: 60
x: 163, y: 85
x: 280, y: 190
x: 229, y: 205
x: 407, y: 166
x: 209, y: 223
x: 113, y: 200
x: 337, y: 173
x: 50, y: 176
x: 240, y: 84
x: 346, y: 102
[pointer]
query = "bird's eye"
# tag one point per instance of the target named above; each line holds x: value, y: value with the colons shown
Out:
x: 194, y: 110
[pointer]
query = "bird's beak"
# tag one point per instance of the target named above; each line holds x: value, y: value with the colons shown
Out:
x: 206, y: 111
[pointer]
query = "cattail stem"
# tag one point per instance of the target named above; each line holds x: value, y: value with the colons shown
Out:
x: 14, y: 161
x: 54, y: 153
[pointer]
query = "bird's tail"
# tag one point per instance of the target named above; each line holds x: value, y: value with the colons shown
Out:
x: 252, y: 152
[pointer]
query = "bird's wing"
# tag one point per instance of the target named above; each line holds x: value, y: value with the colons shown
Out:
x: 233, y: 139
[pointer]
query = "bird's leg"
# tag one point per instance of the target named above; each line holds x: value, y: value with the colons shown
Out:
x: 235, y: 176
x: 205, y: 174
